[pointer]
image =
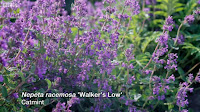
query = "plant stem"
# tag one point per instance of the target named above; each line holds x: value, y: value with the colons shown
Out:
x: 151, y: 77
x: 151, y: 57
x: 178, y: 33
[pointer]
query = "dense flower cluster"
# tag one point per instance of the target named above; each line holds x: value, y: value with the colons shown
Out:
x: 169, y: 24
x: 182, y: 94
x: 189, y: 18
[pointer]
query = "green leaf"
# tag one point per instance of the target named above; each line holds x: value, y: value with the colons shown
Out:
x: 17, y: 11
x: 22, y: 76
x: 46, y: 101
x: 190, y: 7
x: 3, y: 109
x: 181, y: 72
x: 162, y: 13
x: 42, y: 50
x: 4, y: 91
x: 49, y: 83
x: 192, y: 49
x: 1, y: 26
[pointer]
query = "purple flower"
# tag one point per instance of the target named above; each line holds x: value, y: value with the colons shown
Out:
x: 161, y: 97
x: 124, y: 65
x: 151, y: 98
x: 189, y: 19
x: 197, y: 12
x: 129, y: 102
x: 109, y: 1
x: 163, y: 39
x: 59, y: 107
x: 40, y: 67
x: 15, y: 95
x: 3, y: 61
x: 146, y: 10
x: 197, y: 78
x: 129, y: 55
x: 171, y: 61
x: 172, y: 77
x: 1, y: 78
x: 131, y: 79
x: 149, y: 2
x: 58, y: 80
x: 191, y: 77
x: 147, y: 72
x: 198, y: 2
x: 131, y: 66
x: 134, y: 4
x: 72, y: 101
x: 180, y: 40
x: 184, y: 110
x: 182, y: 94
x: 157, y: 85
x: 168, y: 24
x: 3, y: 44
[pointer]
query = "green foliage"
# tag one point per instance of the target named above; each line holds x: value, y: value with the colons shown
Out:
x: 168, y: 7
x: 49, y: 83
x: 192, y: 49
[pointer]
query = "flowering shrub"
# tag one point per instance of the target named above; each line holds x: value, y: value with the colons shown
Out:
x: 103, y: 48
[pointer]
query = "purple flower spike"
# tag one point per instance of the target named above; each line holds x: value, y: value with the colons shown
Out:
x: 190, y: 19
x: 1, y: 78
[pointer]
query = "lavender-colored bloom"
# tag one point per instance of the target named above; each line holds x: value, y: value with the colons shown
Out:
x: 171, y: 61
x: 124, y: 65
x: 1, y: 78
x: 161, y: 97
x: 3, y: 44
x: 15, y: 95
x: 59, y: 107
x: 147, y: 72
x: 65, y: 70
x: 72, y: 101
x: 3, y: 61
x: 124, y: 16
x: 109, y: 1
x: 190, y: 19
x: 57, y: 79
x: 160, y: 52
x: 163, y: 39
x: 129, y: 102
x: 40, y: 67
x: 172, y: 77
x: 184, y: 110
x: 151, y: 98
x: 146, y: 10
x: 182, y: 94
x: 168, y: 24
x: 129, y: 55
x: 197, y: 78
x: 149, y: 2
x: 131, y: 79
x: 157, y: 85
x: 197, y: 11
x: 131, y: 66
x: 132, y: 109
x: 180, y: 40
x: 198, y: 2
x: 191, y: 77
